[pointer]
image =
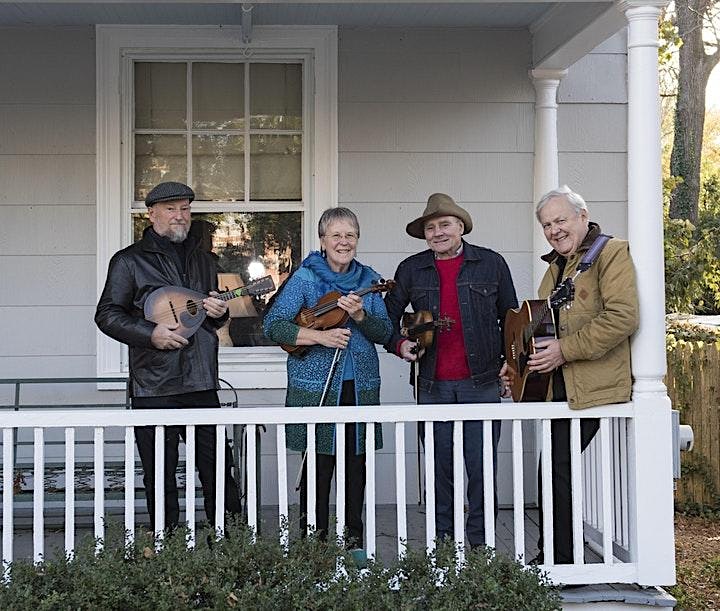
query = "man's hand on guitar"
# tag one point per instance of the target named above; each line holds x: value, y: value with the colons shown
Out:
x: 548, y: 356
x: 214, y: 307
x: 164, y: 338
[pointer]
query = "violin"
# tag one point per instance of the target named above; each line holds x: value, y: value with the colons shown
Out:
x: 420, y: 327
x: 326, y: 314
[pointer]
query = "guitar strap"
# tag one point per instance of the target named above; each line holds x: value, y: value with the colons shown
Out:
x: 593, y: 252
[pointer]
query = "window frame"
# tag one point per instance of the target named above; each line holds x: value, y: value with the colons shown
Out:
x: 117, y: 48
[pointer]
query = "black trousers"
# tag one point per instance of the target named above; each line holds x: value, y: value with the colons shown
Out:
x: 562, y: 486
x: 204, y: 457
x: 354, y: 483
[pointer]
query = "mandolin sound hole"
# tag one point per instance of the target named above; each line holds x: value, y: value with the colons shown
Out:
x: 192, y: 307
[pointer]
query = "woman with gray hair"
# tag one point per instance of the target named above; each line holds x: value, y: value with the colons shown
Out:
x: 355, y: 378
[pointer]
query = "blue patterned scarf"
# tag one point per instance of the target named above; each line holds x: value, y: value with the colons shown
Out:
x: 357, y: 276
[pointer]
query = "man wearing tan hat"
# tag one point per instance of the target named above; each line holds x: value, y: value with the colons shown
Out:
x: 472, y: 286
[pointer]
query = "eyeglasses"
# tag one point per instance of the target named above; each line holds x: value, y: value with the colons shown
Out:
x: 339, y: 237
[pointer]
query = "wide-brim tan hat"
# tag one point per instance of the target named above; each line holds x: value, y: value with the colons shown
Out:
x: 439, y: 204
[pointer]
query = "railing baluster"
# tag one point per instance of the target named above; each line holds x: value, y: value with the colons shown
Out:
x: 310, y: 477
x: 69, y: 491
x: 518, y: 491
x: 400, y: 499
x: 252, y: 497
x: 220, y: 462
x: 607, y: 519
x: 576, y: 487
x: 190, y: 482
x: 488, y: 483
x: 429, y: 486
x: 370, y: 488
x: 129, y: 485
x: 624, y: 487
x: 547, y: 494
x: 159, y: 484
x: 8, y: 497
x: 340, y: 479
x: 99, y: 469
x: 458, y: 489
x: 283, y: 513
x: 38, y: 495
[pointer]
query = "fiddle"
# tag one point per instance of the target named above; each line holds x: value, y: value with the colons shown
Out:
x: 326, y: 314
x: 420, y: 327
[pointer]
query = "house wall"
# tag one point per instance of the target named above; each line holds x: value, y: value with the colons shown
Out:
x: 420, y: 111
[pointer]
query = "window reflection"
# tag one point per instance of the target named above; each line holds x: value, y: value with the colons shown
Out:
x: 245, y: 246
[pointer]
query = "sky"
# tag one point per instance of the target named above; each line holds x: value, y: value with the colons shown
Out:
x: 712, y: 93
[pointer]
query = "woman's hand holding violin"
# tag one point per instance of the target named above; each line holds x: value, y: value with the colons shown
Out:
x: 353, y: 305
x: 335, y: 338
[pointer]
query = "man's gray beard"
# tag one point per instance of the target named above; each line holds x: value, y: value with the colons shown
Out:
x: 177, y: 234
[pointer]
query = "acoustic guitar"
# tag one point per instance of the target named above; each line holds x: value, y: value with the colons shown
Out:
x: 533, y: 320
x: 177, y: 305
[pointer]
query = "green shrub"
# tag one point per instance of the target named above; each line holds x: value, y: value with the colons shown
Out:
x: 236, y: 572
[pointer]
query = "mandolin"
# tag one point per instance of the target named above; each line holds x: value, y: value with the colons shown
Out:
x: 533, y: 320
x: 326, y: 314
x: 177, y: 305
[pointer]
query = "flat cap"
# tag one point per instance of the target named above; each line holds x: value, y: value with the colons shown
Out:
x: 169, y: 192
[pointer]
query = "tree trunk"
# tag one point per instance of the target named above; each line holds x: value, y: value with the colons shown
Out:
x: 695, y: 68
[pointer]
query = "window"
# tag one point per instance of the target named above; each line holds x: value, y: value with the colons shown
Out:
x: 234, y: 131
x: 251, y: 128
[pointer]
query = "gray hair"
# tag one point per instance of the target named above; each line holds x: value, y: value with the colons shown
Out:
x: 332, y: 215
x: 574, y: 199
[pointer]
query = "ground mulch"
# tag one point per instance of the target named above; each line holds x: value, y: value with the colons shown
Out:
x: 697, y: 554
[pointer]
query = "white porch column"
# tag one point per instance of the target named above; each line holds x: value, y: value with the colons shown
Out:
x: 650, y: 457
x: 545, y: 167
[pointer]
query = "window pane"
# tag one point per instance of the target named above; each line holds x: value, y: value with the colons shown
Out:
x: 246, y: 246
x: 275, y: 167
x: 160, y: 95
x: 218, y: 167
x: 158, y: 158
x: 218, y: 92
x: 276, y: 96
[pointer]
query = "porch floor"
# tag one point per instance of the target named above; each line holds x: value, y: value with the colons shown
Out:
x: 386, y: 529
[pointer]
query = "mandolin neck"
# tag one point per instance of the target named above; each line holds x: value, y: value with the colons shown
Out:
x: 228, y: 295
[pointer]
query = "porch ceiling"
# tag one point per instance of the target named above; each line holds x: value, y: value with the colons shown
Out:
x: 562, y: 31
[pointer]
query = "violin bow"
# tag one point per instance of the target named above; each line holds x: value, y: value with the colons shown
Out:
x: 331, y: 375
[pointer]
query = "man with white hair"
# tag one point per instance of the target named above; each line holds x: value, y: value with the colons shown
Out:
x: 590, y: 359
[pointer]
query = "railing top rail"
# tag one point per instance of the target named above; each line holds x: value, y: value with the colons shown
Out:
x: 54, y: 418
x: 60, y: 380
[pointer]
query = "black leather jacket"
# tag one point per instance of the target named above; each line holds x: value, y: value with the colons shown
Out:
x: 485, y: 292
x: 133, y: 274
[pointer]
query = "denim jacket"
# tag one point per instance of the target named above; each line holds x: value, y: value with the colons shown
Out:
x: 485, y: 293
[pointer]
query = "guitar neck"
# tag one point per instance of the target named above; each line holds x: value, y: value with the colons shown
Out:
x: 228, y: 295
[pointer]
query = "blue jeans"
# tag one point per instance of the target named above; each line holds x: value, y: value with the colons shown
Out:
x: 462, y: 391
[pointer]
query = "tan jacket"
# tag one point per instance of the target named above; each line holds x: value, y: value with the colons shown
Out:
x: 595, y: 330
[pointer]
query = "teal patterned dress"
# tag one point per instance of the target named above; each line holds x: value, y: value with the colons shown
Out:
x: 307, y: 374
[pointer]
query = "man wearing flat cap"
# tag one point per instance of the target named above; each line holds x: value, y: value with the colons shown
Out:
x: 166, y: 369
x: 471, y: 286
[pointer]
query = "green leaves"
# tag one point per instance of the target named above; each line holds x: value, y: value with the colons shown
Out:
x: 237, y: 573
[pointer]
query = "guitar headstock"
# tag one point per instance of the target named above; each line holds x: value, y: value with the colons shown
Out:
x: 260, y: 286
x: 563, y: 294
x: 382, y: 285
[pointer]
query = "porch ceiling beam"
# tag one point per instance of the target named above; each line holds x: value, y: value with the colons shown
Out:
x: 565, y: 3
x: 568, y: 32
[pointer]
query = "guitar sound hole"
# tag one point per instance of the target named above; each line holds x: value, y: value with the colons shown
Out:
x: 191, y: 307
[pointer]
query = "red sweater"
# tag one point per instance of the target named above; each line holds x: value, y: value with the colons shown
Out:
x: 451, y: 362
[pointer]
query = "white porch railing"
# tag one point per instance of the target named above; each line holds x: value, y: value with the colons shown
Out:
x: 605, y: 480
